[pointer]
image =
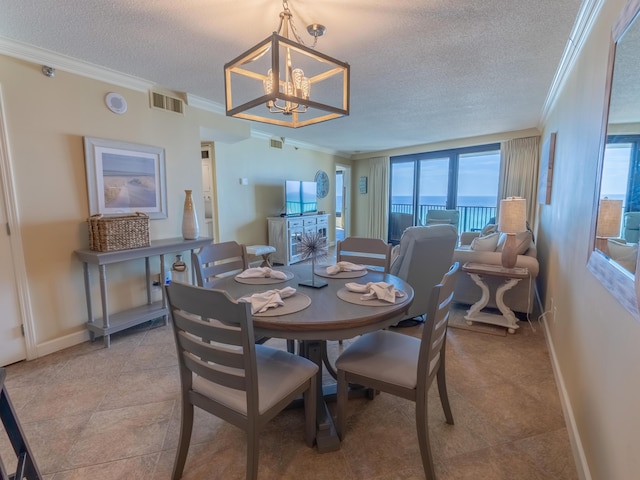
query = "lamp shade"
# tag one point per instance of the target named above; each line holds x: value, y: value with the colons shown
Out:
x: 609, y: 218
x: 513, y: 215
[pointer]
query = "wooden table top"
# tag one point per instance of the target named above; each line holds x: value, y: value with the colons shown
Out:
x: 495, y: 270
x: 328, y: 317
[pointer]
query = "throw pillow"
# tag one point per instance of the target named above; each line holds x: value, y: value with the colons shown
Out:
x: 487, y: 243
x: 625, y: 254
x: 523, y: 242
x: 488, y: 229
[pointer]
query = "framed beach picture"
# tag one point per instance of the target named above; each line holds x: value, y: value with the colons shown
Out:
x: 125, y: 178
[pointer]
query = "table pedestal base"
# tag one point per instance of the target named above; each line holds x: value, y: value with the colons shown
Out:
x: 327, y: 438
x: 507, y: 319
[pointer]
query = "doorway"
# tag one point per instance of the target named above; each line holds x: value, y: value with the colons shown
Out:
x: 343, y: 192
x: 12, y: 341
x: 208, y: 189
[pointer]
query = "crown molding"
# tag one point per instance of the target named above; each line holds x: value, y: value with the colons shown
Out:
x: 205, y: 104
x: 42, y: 56
x: 585, y: 20
x: 262, y: 135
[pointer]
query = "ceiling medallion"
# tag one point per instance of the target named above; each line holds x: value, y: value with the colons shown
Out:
x: 283, y: 82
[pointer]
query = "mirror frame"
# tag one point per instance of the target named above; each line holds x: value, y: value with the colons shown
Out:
x: 618, y: 281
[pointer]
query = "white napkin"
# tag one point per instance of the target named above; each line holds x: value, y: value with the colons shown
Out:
x: 375, y: 290
x: 262, y: 272
x: 344, y: 267
x: 260, y: 302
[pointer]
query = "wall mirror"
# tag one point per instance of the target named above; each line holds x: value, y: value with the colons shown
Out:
x: 617, y: 208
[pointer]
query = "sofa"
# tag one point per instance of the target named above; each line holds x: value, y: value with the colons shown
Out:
x: 488, y: 249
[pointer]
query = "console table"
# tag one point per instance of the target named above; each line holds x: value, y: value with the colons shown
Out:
x: 511, y: 275
x: 112, y: 323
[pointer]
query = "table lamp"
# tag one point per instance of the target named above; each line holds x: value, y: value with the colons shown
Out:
x: 512, y: 219
x: 609, y: 218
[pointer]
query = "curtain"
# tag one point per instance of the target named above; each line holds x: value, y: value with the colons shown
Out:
x: 520, y: 159
x: 378, y: 190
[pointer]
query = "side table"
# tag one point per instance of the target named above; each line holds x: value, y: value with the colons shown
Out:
x: 115, y: 322
x: 511, y: 275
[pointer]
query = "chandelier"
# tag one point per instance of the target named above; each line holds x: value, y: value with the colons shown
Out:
x: 281, y: 81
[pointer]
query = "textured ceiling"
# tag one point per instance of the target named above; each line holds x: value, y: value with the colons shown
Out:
x: 421, y: 70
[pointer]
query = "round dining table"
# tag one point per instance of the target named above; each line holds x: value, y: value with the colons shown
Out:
x: 327, y: 317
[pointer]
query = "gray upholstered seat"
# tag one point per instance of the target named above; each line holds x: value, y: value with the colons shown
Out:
x: 404, y: 366
x: 224, y: 373
x: 425, y: 255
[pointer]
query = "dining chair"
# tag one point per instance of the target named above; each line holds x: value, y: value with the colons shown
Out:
x: 425, y: 254
x: 218, y: 259
x: 403, y: 365
x: 26, y: 467
x: 221, y: 259
x: 224, y: 372
x: 371, y: 252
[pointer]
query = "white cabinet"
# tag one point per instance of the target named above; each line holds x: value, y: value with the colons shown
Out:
x: 285, y: 234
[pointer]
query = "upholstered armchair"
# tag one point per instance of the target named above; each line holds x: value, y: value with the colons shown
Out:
x: 423, y: 257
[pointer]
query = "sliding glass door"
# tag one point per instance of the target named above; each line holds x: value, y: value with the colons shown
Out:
x: 463, y: 179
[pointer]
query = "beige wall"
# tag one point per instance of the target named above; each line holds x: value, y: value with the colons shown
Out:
x: 244, y: 209
x: 596, y: 342
x: 46, y: 120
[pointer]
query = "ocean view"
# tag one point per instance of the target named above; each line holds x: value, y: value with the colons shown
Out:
x: 463, y: 201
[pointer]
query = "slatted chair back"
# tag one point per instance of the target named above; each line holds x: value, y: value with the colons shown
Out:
x: 432, y: 347
x: 223, y: 372
x: 371, y: 252
x: 218, y: 259
x: 404, y: 366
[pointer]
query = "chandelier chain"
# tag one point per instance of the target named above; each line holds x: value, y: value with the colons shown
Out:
x: 285, y: 6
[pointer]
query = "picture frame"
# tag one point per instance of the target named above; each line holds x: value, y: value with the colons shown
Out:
x: 125, y: 177
x: 545, y: 177
x: 362, y: 185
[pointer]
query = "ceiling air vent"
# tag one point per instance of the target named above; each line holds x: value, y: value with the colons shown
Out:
x: 167, y: 102
x: 274, y: 143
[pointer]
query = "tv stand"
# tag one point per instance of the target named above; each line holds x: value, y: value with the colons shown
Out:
x: 285, y: 234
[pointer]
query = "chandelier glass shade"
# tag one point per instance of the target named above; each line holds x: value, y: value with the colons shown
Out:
x: 281, y: 81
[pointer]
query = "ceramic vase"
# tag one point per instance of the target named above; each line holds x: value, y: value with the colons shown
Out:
x: 190, y: 229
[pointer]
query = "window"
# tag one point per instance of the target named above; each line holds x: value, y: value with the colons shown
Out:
x: 463, y: 179
x: 621, y: 171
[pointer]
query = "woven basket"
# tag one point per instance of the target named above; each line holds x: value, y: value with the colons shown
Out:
x: 118, y: 232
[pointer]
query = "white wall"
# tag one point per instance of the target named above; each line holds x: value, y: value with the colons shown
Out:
x: 46, y: 121
x: 596, y: 342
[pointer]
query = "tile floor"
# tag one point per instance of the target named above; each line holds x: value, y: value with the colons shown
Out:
x: 96, y: 413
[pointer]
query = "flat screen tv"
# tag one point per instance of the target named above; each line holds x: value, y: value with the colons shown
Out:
x: 300, y: 198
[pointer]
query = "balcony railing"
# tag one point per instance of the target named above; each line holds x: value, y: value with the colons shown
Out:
x: 472, y: 218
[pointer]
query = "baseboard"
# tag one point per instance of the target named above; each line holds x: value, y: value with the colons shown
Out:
x: 574, y: 436
x: 61, y: 343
